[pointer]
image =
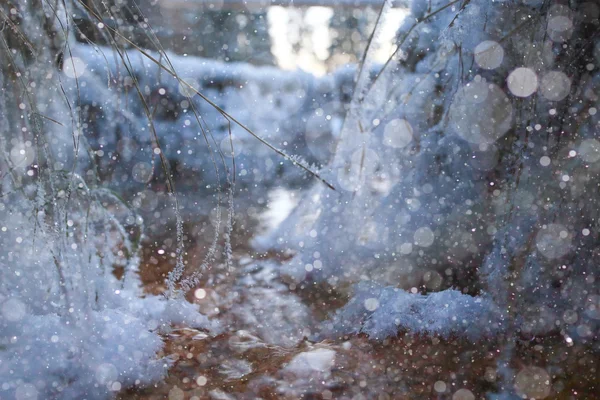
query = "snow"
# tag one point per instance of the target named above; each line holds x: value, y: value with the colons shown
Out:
x: 296, y: 112
x: 93, y: 351
x: 235, y: 369
x: 71, y: 327
x: 274, y: 313
x: 449, y: 172
x: 385, y: 311
x: 466, y: 177
x: 306, y: 363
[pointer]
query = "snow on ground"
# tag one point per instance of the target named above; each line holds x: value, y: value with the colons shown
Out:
x: 453, y: 178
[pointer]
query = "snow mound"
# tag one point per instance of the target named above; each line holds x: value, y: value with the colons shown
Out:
x: 384, y: 311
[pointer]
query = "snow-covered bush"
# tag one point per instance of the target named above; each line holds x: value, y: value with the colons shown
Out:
x: 294, y: 111
x: 74, y: 322
x: 471, y: 163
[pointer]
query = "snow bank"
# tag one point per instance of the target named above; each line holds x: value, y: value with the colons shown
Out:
x: 295, y: 111
x: 74, y: 321
x: 467, y: 165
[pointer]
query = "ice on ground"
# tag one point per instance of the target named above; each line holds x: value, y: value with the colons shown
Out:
x: 296, y: 112
x: 307, y: 363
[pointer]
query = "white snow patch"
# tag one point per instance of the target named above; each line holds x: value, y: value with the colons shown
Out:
x: 309, y: 362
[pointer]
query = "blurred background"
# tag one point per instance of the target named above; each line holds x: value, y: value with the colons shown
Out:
x: 309, y: 35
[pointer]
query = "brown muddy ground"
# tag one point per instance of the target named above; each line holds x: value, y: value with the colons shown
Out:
x: 263, y: 351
